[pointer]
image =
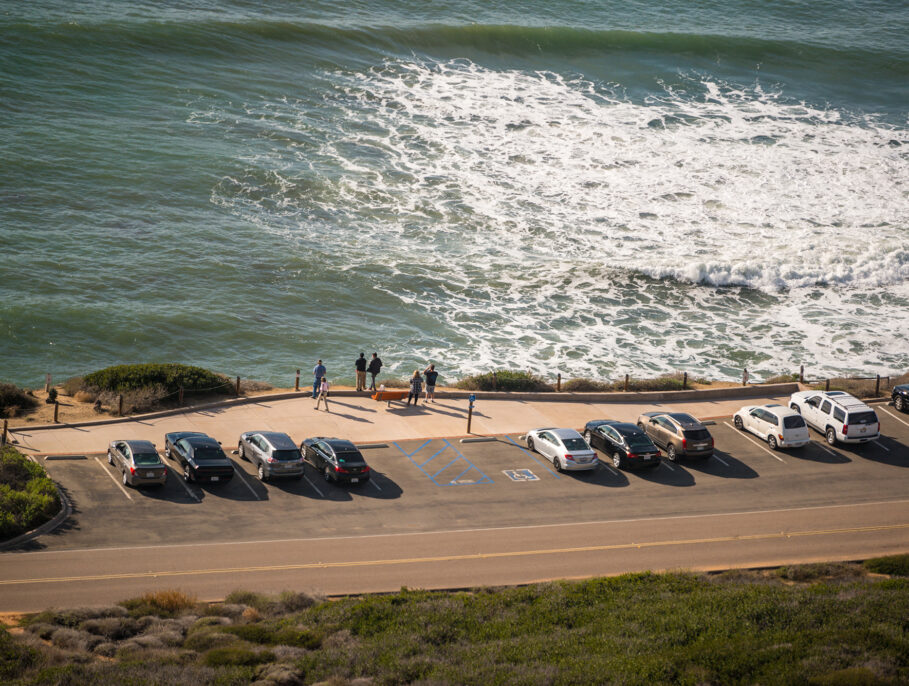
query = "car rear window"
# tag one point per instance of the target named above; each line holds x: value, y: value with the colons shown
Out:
x: 208, y: 454
x: 638, y: 441
x: 575, y: 443
x: 146, y: 459
x: 793, y: 422
x: 697, y: 434
x: 286, y: 455
x: 349, y: 457
x: 863, y: 418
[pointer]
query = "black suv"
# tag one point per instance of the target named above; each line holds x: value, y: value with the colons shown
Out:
x: 900, y: 397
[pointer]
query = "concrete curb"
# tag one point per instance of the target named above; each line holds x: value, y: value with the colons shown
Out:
x: 66, y: 509
x: 618, y: 397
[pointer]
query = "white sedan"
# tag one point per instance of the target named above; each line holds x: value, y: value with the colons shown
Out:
x: 565, y: 447
x: 777, y: 424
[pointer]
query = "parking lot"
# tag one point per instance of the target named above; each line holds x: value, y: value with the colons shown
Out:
x: 444, y: 484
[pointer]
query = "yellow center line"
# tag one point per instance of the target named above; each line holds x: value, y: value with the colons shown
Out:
x: 456, y: 558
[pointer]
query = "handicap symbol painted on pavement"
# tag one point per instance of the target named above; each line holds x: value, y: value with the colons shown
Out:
x: 520, y: 475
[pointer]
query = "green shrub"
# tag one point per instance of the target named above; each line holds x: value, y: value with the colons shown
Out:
x: 129, y: 377
x: 166, y: 603
x: 15, y: 658
x: 587, y: 386
x: 236, y: 656
x: 782, y: 378
x: 13, y: 400
x: 894, y: 565
x: 28, y: 498
x: 505, y: 380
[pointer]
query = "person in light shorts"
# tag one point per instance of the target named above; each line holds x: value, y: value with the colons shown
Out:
x: 430, y: 374
x: 323, y: 393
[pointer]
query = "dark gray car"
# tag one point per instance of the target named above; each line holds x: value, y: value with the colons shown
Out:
x: 678, y: 433
x: 138, y: 463
x: 273, y: 454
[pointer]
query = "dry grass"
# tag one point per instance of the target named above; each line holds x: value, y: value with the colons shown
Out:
x: 166, y: 603
x: 863, y: 388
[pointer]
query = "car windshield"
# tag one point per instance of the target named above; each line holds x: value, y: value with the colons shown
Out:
x: 349, y: 457
x: 146, y: 459
x: 697, y: 434
x: 638, y: 441
x: 575, y: 444
x: 863, y: 418
x: 208, y: 454
x: 793, y: 422
x: 285, y: 455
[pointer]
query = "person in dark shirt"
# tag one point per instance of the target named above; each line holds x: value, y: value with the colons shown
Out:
x: 431, y: 375
x: 416, y: 385
x: 360, y: 365
x: 375, y: 364
x: 317, y: 372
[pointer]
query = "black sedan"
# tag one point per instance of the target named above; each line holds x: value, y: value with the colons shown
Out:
x: 624, y: 442
x: 900, y: 397
x: 171, y: 438
x: 337, y: 459
x: 201, y: 457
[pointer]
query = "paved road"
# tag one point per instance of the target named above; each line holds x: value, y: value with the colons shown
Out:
x: 441, y: 513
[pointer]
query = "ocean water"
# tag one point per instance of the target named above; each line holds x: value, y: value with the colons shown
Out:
x: 584, y: 188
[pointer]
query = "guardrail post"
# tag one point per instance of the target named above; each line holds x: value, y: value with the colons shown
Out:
x: 685, y: 381
x: 47, y: 382
x: 802, y: 374
x: 56, y: 411
x: 558, y: 382
x: 877, y: 386
x: 827, y: 385
x: 180, y: 396
x: 120, y: 405
x: 3, y: 437
x: 626, y: 383
x: 469, y: 416
x: 297, y: 381
x: 238, y: 386
x: 495, y: 382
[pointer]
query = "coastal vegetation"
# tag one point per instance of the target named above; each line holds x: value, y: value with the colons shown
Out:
x: 14, y: 400
x: 28, y: 498
x: 821, y: 624
x: 505, y: 380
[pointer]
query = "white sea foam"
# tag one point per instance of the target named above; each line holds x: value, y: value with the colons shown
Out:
x: 540, y: 216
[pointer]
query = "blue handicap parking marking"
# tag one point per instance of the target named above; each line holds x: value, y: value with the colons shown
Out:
x: 533, y: 457
x: 451, y: 469
x: 520, y: 475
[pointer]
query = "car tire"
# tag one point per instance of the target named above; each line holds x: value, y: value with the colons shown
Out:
x: 739, y: 424
x: 831, y: 435
x: 670, y: 453
x: 110, y: 458
x: 793, y: 406
x: 900, y: 403
x: 530, y: 444
x: 241, y: 451
x: 125, y: 478
x: 771, y: 442
x: 557, y: 463
x: 616, y: 460
x: 261, y: 472
x: 166, y: 451
x: 326, y: 473
x: 187, y: 474
x: 587, y: 437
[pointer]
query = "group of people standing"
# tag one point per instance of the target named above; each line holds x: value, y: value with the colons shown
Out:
x: 373, y: 367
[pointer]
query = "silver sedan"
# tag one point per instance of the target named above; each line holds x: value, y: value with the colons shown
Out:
x: 565, y: 447
x: 138, y: 463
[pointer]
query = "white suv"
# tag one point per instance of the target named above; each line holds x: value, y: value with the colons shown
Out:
x: 837, y: 415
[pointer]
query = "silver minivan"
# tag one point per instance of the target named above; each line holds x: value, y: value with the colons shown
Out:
x: 273, y: 454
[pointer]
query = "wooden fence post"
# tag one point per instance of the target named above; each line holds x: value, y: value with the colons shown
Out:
x: 56, y: 411
x: 877, y: 386
x: 827, y: 385
x: 685, y: 381
x: 297, y: 381
x: 120, y: 405
x: 626, y: 383
x: 495, y: 382
x: 3, y: 439
x: 559, y: 382
x: 238, y: 386
x: 180, y: 397
x: 802, y: 374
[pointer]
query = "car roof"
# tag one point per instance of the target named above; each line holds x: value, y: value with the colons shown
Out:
x: 339, y: 444
x: 685, y: 420
x: 278, y: 440
x: 201, y: 441
x: 565, y: 433
x: 177, y: 435
x: 140, y: 446
x: 779, y: 410
x: 624, y: 428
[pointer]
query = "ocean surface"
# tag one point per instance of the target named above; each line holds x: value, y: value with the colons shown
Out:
x: 590, y: 188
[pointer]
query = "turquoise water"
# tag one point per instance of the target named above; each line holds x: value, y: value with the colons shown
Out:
x: 575, y: 187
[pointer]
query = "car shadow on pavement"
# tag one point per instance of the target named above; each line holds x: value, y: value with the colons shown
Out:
x: 171, y: 492
x: 892, y: 453
x: 380, y: 486
x: 666, y: 474
x: 815, y: 452
x: 734, y: 469
x: 601, y: 476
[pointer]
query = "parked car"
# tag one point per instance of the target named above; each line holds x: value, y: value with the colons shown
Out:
x: 837, y: 415
x: 900, y: 397
x: 780, y: 426
x: 272, y: 453
x: 678, y: 433
x: 138, y: 463
x: 200, y: 456
x: 625, y: 443
x: 566, y: 448
x: 336, y: 458
x: 171, y: 438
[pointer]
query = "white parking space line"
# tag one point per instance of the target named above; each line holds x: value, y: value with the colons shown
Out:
x: 901, y: 421
x: 722, y: 461
x: 314, y: 487
x: 878, y: 443
x: 179, y: 478
x: 610, y: 468
x: 823, y: 447
x: 747, y: 437
x: 246, y: 483
x: 668, y: 466
x: 113, y: 478
x: 373, y: 482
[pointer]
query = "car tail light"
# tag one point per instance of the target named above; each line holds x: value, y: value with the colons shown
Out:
x: 632, y: 455
x: 711, y: 441
x: 845, y: 429
x: 780, y: 436
x: 684, y: 444
x: 132, y: 470
x: 366, y: 468
x: 569, y: 457
x: 271, y: 460
x: 341, y: 470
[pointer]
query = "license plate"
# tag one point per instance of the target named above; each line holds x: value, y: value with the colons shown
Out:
x: 353, y: 481
x: 150, y: 474
x: 864, y: 430
x: 648, y: 457
x: 215, y: 478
